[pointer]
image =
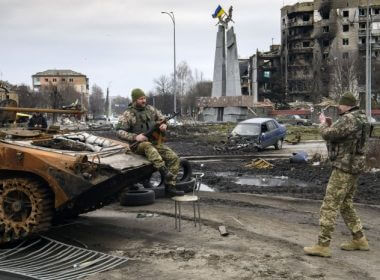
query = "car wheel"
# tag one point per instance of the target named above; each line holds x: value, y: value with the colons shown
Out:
x: 278, y: 145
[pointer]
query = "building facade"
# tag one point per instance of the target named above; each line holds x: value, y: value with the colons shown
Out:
x: 55, y: 77
x: 323, y: 47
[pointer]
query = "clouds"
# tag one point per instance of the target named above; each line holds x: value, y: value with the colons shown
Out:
x: 127, y: 42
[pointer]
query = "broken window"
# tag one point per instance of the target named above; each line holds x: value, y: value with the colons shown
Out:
x: 46, y: 80
x: 363, y: 40
x: 362, y: 12
x: 345, y: 55
x: 326, y: 29
x: 377, y: 11
x: 54, y: 80
x: 325, y: 14
x: 325, y: 55
x: 306, y: 44
x: 71, y: 80
x: 345, y: 41
x: 346, y: 27
x: 306, y: 17
x: 63, y: 79
x: 362, y: 25
x: 326, y: 43
x: 346, y: 14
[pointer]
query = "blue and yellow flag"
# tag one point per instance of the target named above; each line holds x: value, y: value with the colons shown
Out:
x: 219, y: 12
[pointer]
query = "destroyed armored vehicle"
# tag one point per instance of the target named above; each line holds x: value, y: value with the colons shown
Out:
x: 46, y: 175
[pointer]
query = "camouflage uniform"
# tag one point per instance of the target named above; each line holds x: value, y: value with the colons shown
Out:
x: 139, y: 120
x: 347, y: 140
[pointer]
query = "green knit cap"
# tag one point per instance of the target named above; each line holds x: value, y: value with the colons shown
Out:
x: 348, y: 99
x: 137, y: 93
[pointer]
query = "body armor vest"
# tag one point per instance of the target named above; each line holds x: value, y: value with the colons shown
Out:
x: 144, y: 121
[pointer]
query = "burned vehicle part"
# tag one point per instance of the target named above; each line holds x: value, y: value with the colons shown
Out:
x: 44, y: 176
x: 253, y: 135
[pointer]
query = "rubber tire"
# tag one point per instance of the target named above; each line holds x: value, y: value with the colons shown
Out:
x: 186, y: 186
x: 278, y: 145
x: 137, y: 198
x: 187, y: 170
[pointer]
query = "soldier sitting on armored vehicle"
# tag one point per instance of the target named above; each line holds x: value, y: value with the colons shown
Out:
x: 37, y: 121
x: 134, y: 126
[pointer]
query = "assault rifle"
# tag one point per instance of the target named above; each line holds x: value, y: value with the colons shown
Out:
x: 154, y: 132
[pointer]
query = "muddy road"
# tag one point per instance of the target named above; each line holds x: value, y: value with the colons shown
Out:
x: 270, y: 215
x: 265, y: 240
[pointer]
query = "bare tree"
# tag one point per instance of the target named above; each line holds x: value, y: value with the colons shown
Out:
x: 68, y: 93
x: 119, y: 104
x: 344, y: 75
x: 97, y: 100
x: 199, y: 89
x: 163, y: 85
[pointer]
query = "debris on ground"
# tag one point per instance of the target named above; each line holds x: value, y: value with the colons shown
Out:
x: 299, y: 157
x: 237, y: 143
x: 294, y: 139
x: 259, y: 163
x: 223, y: 231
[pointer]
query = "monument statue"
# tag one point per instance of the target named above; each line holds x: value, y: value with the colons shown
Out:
x: 226, y: 80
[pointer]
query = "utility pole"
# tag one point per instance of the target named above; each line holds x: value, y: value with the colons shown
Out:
x: 171, y: 15
x: 368, y: 64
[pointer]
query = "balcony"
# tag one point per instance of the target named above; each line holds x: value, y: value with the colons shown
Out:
x: 299, y: 24
x: 301, y: 50
x: 299, y: 37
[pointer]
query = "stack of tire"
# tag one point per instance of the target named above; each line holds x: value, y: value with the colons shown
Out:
x: 145, y: 193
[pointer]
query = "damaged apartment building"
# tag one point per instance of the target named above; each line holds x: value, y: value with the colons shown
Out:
x: 322, y: 53
x: 324, y: 47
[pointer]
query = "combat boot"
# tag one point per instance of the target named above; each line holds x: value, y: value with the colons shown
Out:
x: 171, y: 191
x: 355, y: 244
x: 166, y: 174
x: 318, y: 250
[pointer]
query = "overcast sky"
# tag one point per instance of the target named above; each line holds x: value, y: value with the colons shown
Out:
x: 124, y: 43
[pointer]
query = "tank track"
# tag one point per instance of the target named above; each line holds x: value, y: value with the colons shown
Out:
x: 26, y: 208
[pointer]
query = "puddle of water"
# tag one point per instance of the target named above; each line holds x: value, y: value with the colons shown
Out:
x: 269, y: 181
x: 206, y: 188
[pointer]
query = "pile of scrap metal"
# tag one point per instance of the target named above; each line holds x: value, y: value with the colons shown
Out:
x: 238, y: 143
x: 77, y: 142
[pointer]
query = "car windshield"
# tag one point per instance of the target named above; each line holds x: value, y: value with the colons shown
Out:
x: 297, y: 117
x: 246, y: 129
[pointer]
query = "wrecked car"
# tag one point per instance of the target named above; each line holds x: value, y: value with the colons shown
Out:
x: 263, y: 132
x: 294, y: 120
x: 45, y: 176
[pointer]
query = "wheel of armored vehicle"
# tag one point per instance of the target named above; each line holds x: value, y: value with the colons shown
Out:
x: 26, y: 207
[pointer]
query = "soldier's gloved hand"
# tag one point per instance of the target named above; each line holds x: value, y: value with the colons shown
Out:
x: 163, y: 127
x: 141, y: 138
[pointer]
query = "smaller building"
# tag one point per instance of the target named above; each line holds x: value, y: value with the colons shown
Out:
x: 6, y: 93
x: 77, y: 80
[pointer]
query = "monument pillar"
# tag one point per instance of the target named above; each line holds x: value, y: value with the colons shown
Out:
x: 233, y: 85
x: 219, y: 80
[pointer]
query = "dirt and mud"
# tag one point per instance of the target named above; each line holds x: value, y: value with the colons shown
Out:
x: 270, y: 215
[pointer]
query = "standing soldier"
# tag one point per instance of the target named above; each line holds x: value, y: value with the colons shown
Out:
x: 137, y: 120
x: 347, y: 140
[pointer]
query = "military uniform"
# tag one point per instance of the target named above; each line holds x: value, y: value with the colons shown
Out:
x: 136, y: 120
x: 347, y: 140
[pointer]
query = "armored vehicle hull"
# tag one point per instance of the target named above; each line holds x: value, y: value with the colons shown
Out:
x: 43, y: 177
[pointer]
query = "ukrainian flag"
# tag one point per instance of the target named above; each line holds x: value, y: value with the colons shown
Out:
x: 218, y: 12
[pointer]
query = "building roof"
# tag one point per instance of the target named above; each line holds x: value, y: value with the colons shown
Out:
x: 58, y: 72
